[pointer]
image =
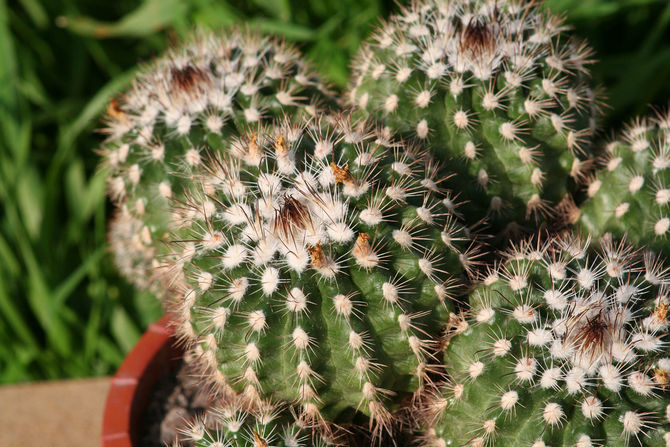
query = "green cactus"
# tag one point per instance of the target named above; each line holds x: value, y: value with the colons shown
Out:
x: 234, y: 427
x: 199, y: 96
x: 564, y: 346
x: 316, y: 263
x: 497, y: 89
x: 631, y: 195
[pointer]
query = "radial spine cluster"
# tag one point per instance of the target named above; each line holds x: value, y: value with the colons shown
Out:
x: 564, y: 346
x: 316, y: 260
x: 197, y: 97
x: 231, y: 426
x: 631, y: 195
x: 495, y: 87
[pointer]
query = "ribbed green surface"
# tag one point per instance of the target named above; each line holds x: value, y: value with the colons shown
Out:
x: 318, y: 273
x: 630, y: 195
x: 566, y: 346
x: 499, y: 91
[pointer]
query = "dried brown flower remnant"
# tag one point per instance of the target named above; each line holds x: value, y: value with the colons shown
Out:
x: 661, y: 312
x: 477, y: 39
x: 662, y: 377
x: 342, y: 175
x: 259, y: 441
x: 319, y: 259
x: 364, y: 253
x: 254, y: 151
x: 291, y: 215
x: 186, y: 78
x: 591, y: 332
x: 114, y: 110
x: 280, y: 146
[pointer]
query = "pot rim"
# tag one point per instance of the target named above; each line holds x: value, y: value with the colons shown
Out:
x: 132, y: 385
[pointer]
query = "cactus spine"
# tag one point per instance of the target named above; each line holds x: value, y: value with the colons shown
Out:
x: 631, y: 194
x: 496, y: 88
x: 230, y: 426
x: 316, y: 261
x: 564, y: 347
x: 199, y: 96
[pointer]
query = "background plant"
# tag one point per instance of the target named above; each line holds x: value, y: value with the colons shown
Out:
x: 63, y: 309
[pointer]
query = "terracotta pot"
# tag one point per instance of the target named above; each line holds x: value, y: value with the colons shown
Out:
x: 131, y: 388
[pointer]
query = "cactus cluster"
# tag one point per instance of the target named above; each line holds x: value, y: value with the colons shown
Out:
x: 311, y: 258
x: 203, y: 94
x: 317, y: 260
x: 632, y: 191
x: 563, y: 346
x: 495, y: 87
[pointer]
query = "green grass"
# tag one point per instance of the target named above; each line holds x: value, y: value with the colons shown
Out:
x: 64, y: 311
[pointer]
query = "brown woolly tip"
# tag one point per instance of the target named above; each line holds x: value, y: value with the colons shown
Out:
x: 254, y: 151
x: 364, y: 253
x: 114, y: 110
x: 259, y: 441
x: 662, y: 378
x: 342, y: 175
x: 185, y: 79
x: 280, y: 146
x: 363, y: 243
x: 661, y: 312
x: 319, y: 259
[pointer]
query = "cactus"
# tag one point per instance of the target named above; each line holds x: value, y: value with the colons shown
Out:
x: 233, y: 427
x: 201, y: 95
x: 632, y: 193
x: 496, y: 88
x: 316, y: 261
x: 131, y: 246
x: 564, y: 347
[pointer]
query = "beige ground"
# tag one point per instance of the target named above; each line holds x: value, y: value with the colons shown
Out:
x: 53, y: 414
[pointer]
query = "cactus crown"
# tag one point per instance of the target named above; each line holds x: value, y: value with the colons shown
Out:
x: 316, y: 260
x: 194, y: 98
x: 564, y: 347
x: 494, y: 85
x: 633, y: 189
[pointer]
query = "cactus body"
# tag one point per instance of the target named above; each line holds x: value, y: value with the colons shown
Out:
x: 132, y: 247
x: 236, y: 428
x: 199, y: 96
x: 564, y: 347
x: 318, y: 260
x: 631, y: 194
x: 494, y: 87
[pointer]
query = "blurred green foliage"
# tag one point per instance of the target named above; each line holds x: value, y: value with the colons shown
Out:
x: 64, y: 311
x: 632, y: 43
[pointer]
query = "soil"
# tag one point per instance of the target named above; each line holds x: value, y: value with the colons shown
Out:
x: 176, y: 400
